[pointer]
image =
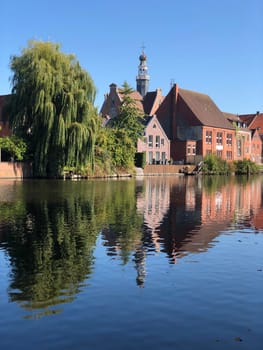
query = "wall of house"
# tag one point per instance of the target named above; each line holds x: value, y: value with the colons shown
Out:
x: 13, y: 170
x: 256, y: 148
x: 210, y: 145
x: 242, y: 144
x: 155, y: 151
x: 111, y: 103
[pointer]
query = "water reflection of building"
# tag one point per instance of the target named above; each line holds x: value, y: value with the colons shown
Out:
x: 154, y: 203
x: 185, y: 215
x: 198, y: 209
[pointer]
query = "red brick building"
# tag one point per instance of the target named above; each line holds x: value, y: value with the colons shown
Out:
x: 195, y: 126
x: 248, y: 137
x: 255, y: 123
x: 155, y: 143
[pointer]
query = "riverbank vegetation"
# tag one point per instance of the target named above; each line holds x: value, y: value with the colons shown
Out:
x: 216, y: 165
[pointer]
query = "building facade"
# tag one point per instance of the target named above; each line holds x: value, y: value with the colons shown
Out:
x: 155, y: 143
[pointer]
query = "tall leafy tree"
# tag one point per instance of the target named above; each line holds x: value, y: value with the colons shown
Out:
x: 52, y: 108
x: 130, y: 117
x: 127, y: 127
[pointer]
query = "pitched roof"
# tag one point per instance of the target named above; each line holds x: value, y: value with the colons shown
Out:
x: 135, y: 95
x: 205, y: 109
x: 151, y: 101
x: 254, y: 121
x: 231, y: 116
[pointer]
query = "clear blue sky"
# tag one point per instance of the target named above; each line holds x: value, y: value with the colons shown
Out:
x: 210, y: 46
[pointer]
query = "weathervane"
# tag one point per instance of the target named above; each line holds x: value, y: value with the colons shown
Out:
x: 143, y: 47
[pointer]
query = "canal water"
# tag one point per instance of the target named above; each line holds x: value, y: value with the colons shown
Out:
x: 153, y: 263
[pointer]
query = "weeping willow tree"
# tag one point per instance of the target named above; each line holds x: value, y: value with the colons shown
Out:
x: 52, y: 108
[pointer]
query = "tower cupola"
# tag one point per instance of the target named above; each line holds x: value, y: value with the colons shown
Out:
x: 142, y: 78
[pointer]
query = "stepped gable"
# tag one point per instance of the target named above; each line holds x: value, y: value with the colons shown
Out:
x: 205, y: 109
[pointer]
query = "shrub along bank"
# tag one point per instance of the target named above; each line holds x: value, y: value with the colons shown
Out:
x: 215, y: 165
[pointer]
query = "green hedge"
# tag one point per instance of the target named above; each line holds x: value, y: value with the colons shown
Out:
x: 140, y: 159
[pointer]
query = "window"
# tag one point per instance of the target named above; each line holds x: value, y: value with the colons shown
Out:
x: 208, y: 152
x: 194, y: 149
x: 163, y: 157
x: 229, y: 155
x: 219, y: 138
x: 229, y: 139
x: 208, y: 137
x: 157, y: 141
x: 157, y: 156
x: 219, y: 154
x: 150, y: 141
x: 162, y: 142
x: 154, y: 126
x: 150, y: 157
x: 188, y: 149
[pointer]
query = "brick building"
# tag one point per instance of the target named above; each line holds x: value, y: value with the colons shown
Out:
x: 155, y: 143
x: 192, y: 123
x: 248, y: 136
x: 254, y: 122
x: 195, y: 126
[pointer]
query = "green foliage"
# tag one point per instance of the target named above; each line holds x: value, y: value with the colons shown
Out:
x: 13, y: 145
x: 246, y: 166
x: 215, y: 165
x: 52, y: 108
x: 114, y: 149
x: 51, y: 233
x: 119, y: 141
x: 130, y: 117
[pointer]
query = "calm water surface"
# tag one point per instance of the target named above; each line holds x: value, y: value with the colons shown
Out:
x: 156, y: 263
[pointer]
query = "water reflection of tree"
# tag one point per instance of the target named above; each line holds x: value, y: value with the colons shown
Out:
x: 50, y: 237
x: 50, y: 249
x: 123, y: 232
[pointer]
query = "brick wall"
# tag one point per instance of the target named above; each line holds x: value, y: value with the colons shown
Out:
x: 14, y: 170
x: 166, y: 169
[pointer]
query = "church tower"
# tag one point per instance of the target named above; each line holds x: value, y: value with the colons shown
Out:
x: 143, y: 78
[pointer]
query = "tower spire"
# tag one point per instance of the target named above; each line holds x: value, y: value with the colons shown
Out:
x: 142, y: 78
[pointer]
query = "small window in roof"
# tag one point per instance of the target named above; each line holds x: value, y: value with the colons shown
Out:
x: 154, y: 126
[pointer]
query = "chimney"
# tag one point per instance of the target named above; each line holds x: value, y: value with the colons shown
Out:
x: 113, y: 87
